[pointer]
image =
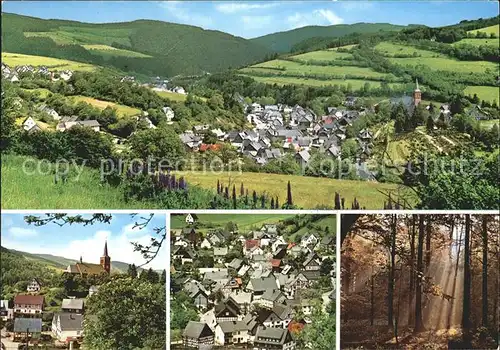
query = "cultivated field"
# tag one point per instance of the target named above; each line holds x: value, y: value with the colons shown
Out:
x: 307, y: 192
x: 122, y: 111
x: 487, y: 93
x: 16, y: 59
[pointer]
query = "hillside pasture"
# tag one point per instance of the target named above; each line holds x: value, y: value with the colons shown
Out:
x: 433, y: 60
x: 96, y: 35
x: 389, y: 49
x: 488, y: 124
x: 495, y: 29
x: 109, y: 51
x: 487, y: 93
x: 16, y: 59
x: 297, y: 68
x: 41, y: 92
x: 323, y: 55
x: 37, y: 190
x: 122, y: 111
x: 284, y: 80
x: 243, y: 221
x: 173, y: 96
x: 477, y: 42
x: 307, y: 192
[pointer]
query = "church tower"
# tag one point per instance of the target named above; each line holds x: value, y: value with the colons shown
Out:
x: 105, y: 259
x: 417, y: 95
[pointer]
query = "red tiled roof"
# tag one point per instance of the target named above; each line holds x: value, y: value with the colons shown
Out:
x: 28, y: 299
x: 276, y: 262
x: 251, y: 243
x: 205, y: 147
x: 291, y: 245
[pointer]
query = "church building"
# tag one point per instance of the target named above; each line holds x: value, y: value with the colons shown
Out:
x: 83, y: 268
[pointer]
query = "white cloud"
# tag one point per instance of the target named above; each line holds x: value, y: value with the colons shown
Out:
x: 233, y: 7
x: 92, y: 248
x: 256, y: 22
x: 119, y: 248
x: 19, y: 232
x: 357, y: 5
x: 316, y: 17
x: 178, y: 10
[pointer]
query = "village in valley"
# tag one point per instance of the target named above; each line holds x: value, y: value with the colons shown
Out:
x: 47, y: 304
x: 243, y: 281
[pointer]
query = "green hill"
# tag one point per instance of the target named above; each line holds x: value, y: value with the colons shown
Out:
x: 143, y: 46
x: 284, y: 41
x: 59, y: 262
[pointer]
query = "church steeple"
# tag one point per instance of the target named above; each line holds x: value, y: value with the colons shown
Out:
x: 417, y: 94
x: 105, y: 259
x: 105, y: 248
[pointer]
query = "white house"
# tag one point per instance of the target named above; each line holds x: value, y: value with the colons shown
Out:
x: 29, y: 123
x: 169, y: 114
x: 309, y: 240
x: 205, y: 244
x: 190, y: 219
x: 34, y: 286
x: 67, y: 326
x: 231, y: 332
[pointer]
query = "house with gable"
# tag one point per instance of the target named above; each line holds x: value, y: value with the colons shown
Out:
x: 34, y: 286
x: 67, y: 327
x: 197, y: 335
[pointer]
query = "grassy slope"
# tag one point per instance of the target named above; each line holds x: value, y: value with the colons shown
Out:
x: 495, y: 29
x: 283, y: 41
x: 487, y: 93
x: 21, y: 190
x: 432, y: 59
x: 182, y: 49
x: 283, y: 80
x: 16, y: 59
x: 307, y: 192
x: 123, y: 111
x: 106, y: 51
x: 477, y: 42
x: 61, y: 263
x: 244, y: 221
x: 297, y: 68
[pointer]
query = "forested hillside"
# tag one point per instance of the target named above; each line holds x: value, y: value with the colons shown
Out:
x: 143, y: 46
x: 284, y: 41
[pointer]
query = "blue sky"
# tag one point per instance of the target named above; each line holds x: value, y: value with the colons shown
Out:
x: 251, y: 19
x: 87, y: 241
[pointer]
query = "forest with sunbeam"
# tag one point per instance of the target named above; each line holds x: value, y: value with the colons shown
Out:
x: 420, y: 281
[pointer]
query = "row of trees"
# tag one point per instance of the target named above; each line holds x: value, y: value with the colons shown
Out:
x: 418, y: 268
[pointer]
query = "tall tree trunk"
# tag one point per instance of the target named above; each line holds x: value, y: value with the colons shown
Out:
x: 419, y: 324
x: 467, y: 283
x: 412, y: 270
x: 485, y: 272
x: 428, y: 243
x: 390, y: 284
x: 372, y: 299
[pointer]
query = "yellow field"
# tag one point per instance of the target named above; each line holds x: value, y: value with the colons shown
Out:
x: 16, y: 59
x: 123, y: 111
x: 307, y: 192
